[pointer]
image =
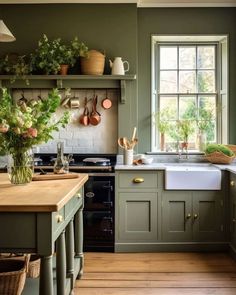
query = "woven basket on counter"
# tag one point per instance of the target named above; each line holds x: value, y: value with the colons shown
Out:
x: 219, y: 158
x: 13, y: 275
x: 232, y: 147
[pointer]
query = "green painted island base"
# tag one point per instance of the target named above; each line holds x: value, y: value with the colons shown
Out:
x: 32, y: 285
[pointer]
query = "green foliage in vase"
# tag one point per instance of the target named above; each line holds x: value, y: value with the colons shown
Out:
x: 186, y: 128
x: 162, y: 120
x: 24, y: 125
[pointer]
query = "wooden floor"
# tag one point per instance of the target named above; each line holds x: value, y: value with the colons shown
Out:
x: 157, y: 273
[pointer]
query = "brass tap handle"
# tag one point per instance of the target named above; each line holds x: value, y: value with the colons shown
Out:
x: 188, y: 216
x: 59, y: 218
x: 138, y: 180
x: 232, y: 183
x: 195, y: 216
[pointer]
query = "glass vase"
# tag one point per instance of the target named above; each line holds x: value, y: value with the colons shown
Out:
x: 21, y: 167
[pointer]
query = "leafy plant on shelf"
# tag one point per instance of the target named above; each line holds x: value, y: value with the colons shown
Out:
x: 24, y: 125
x: 51, y: 54
x: 19, y: 67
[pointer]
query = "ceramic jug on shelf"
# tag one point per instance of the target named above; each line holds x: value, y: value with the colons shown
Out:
x: 117, y: 66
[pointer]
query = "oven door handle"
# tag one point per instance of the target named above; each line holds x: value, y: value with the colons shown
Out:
x: 109, y: 187
x: 110, y: 231
x: 108, y: 203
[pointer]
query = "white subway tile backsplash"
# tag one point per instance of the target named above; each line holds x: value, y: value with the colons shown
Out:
x: 76, y: 137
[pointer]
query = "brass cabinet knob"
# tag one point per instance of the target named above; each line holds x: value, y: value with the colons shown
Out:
x: 195, y: 216
x: 79, y: 195
x: 138, y: 180
x: 234, y: 220
x: 59, y: 218
x: 188, y: 216
x: 232, y: 183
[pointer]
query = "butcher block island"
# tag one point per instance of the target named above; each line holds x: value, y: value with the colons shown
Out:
x: 45, y: 217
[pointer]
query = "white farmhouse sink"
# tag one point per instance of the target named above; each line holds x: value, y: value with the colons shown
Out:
x: 193, y: 177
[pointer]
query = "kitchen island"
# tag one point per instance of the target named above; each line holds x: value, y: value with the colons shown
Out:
x: 39, y: 218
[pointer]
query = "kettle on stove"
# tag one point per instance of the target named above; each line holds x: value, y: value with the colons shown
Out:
x: 117, y: 66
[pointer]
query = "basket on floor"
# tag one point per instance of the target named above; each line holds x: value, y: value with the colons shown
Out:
x: 219, y: 158
x: 34, y: 267
x: 13, y: 275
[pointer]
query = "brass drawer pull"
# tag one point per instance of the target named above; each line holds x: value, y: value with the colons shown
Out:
x: 138, y: 180
x: 232, y: 183
x: 59, y: 218
x: 79, y: 195
x: 188, y: 216
x: 195, y: 216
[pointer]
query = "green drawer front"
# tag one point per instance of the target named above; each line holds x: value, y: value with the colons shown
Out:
x: 232, y: 183
x: 138, y: 179
x: 59, y: 219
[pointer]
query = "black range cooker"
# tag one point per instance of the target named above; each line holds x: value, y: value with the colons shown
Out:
x: 99, y: 196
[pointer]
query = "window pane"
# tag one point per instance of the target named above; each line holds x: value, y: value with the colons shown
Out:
x: 207, y: 103
x: 206, y: 57
x: 187, y: 58
x: 168, y: 58
x: 207, y: 116
x: 187, y: 107
x: 206, y: 81
x: 187, y: 81
x: 168, y: 81
x: 169, y: 103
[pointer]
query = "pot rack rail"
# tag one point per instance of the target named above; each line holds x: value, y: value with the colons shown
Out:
x: 70, y: 81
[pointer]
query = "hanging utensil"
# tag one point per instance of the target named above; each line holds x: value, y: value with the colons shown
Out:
x: 84, y: 118
x: 106, y: 102
x: 95, y: 116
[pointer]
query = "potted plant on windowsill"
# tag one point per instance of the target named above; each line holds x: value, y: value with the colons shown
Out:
x: 186, y: 128
x: 162, y: 120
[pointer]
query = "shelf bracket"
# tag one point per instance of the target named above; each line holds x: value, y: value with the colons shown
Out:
x: 59, y: 83
x: 122, y: 91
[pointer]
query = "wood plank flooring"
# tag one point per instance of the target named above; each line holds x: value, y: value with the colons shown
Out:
x: 157, y: 273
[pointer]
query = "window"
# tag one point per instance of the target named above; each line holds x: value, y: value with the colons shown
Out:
x: 187, y: 94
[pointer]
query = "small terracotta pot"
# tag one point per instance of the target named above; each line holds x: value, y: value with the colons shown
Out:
x: 64, y: 69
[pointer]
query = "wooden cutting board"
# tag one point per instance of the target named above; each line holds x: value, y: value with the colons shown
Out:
x: 52, y: 176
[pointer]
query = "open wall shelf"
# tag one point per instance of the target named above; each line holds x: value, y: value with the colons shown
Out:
x: 69, y: 81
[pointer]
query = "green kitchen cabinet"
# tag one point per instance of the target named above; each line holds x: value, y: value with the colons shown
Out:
x: 137, y: 216
x: 137, y: 209
x: 192, y: 216
x: 233, y: 210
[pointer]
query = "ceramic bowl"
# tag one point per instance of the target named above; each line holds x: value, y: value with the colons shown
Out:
x: 147, y: 160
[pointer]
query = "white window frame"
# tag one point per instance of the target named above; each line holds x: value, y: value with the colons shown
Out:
x: 222, y: 68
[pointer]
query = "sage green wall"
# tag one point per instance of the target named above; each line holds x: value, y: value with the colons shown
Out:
x: 109, y: 28
x: 180, y: 21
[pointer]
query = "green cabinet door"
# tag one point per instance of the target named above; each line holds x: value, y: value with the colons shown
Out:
x: 233, y: 210
x: 176, y: 216
x: 207, y: 218
x: 137, y: 217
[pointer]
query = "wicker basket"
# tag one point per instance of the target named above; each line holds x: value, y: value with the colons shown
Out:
x: 93, y: 64
x: 219, y: 158
x: 34, y: 267
x: 232, y: 147
x: 13, y: 275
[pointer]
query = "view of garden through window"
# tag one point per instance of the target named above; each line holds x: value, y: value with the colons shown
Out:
x: 187, y: 95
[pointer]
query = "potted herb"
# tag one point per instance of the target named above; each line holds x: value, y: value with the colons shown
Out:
x: 186, y: 128
x: 162, y: 120
x: 16, y: 65
x: 52, y: 57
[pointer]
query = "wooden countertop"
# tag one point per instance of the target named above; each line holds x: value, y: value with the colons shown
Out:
x: 38, y: 196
